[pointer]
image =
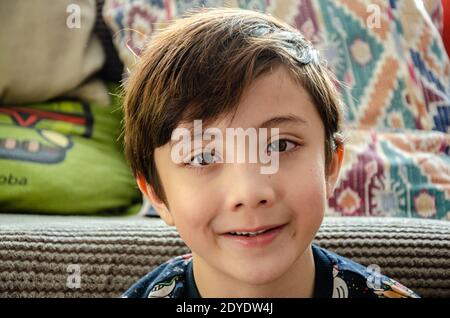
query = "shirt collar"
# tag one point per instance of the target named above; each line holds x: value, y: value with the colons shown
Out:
x: 191, y: 287
x: 323, y: 281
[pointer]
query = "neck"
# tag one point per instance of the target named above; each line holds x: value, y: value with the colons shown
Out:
x: 296, y: 282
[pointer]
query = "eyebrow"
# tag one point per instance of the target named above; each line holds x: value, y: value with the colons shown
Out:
x: 283, y: 120
x: 288, y: 119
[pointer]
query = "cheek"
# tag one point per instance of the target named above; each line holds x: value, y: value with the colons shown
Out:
x: 191, y: 203
x: 306, y: 196
x: 192, y: 210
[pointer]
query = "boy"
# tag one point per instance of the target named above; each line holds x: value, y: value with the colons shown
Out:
x: 250, y: 231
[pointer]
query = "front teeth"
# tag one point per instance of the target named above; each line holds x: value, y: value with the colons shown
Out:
x: 248, y: 233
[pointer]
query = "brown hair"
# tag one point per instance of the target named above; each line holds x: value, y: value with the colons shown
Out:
x: 198, y: 68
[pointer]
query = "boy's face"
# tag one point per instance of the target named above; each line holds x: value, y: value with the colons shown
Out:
x: 208, y: 203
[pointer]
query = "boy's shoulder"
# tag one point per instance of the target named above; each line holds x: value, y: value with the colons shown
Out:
x: 168, y: 280
x: 353, y: 280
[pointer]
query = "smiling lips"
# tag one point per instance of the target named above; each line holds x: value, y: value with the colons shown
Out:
x: 256, y: 237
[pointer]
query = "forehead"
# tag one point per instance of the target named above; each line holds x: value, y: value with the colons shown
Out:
x: 275, y: 93
x: 273, y: 99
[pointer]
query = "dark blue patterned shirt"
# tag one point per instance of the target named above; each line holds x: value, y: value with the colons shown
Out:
x: 336, y: 277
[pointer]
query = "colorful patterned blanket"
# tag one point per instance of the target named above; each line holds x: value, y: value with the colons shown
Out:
x: 395, y: 81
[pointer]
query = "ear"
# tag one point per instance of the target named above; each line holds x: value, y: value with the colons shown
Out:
x: 334, y: 169
x: 155, y: 201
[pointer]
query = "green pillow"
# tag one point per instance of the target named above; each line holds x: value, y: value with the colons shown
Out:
x: 63, y: 157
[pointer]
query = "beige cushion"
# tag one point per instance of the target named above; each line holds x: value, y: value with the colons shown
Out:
x: 41, y: 57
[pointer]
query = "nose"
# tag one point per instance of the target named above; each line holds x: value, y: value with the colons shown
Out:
x: 249, y: 188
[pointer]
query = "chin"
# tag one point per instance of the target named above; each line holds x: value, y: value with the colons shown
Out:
x: 253, y: 275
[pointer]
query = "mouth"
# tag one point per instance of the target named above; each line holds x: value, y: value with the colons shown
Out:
x: 255, y: 237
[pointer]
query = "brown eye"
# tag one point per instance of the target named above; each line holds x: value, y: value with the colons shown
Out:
x: 281, y: 145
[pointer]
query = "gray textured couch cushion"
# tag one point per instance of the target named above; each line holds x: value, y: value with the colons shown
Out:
x: 112, y: 253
